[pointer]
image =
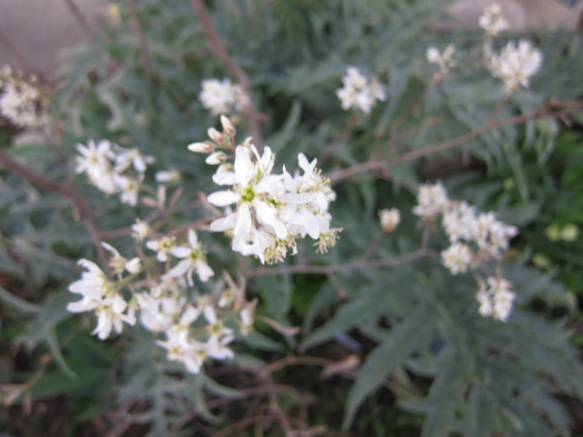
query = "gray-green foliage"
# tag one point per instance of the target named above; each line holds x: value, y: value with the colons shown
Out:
x: 465, y: 374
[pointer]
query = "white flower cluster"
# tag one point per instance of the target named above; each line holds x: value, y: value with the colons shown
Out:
x: 161, y: 305
x: 102, y: 296
x: 390, y: 219
x: 516, y: 64
x: 359, y: 92
x: 271, y: 211
x: 493, y: 21
x: 223, y: 97
x: 496, y: 298
x: 113, y: 169
x: 443, y: 60
x: 475, y: 238
x: 23, y: 100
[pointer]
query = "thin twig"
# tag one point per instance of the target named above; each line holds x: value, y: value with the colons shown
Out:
x: 5, y: 42
x: 355, y: 265
x: 384, y: 166
x: 82, y: 20
x: 230, y: 64
x: 81, y: 207
x: 144, y: 52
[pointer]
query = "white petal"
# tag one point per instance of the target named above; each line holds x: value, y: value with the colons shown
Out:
x: 223, y: 198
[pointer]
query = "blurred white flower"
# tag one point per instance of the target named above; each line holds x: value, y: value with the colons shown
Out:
x: 193, y: 260
x: 443, y: 60
x: 515, y: 65
x: 223, y: 97
x: 390, y: 219
x: 431, y: 201
x: 457, y: 258
x: 358, y: 92
x: 492, y: 20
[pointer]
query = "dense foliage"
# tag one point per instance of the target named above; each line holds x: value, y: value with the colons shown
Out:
x: 388, y: 333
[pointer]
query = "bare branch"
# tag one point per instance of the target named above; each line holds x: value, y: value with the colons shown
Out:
x: 139, y: 29
x: 80, y: 206
x: 231, y: 66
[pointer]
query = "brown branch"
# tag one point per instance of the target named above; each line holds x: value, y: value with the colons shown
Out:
x: 82, y: 20
x: 143, y: 45
x: 230, y: 64
x: 80, y: 206
x: 458, y: 141
x: 331, y: 269
x: 5, y: 42
x: 296, y: 361
x: 384, y: 166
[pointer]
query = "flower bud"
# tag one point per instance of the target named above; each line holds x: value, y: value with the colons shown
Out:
x: 228, y: 127
x: 216, y: 158
x: 215, y: 135
x: 200, y: 148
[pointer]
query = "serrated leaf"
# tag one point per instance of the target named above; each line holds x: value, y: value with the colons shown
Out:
x: 402, y: 340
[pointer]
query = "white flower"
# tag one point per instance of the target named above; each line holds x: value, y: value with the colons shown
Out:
x: 116, y: 262
x: 129, y: 189
x: 390, y: 219
x: 496, y: 298
x: 140, y: 230
x: 110, y: 314
x: 163, y: 246
x: 358, y: 92
x: 443, y: 60
x: 134, y: 265
x: 99, y: 296
x: 94, y: 161
x: 222, y: 97
x: 459, y: 221
x: 516, y: 64
x: 192, y: 353
x: 457, y: 258
x: 193, y: 259
x: 491, y: 235
x: 492, y: 20
x: 93, y: 285
x: 247, y: 316
x: 127, y: 157
x: 432, y: 200
x: 227, y: 298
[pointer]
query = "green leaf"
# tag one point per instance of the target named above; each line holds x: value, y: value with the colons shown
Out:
x: 53, y: 345
x: 17, y: 303
x: 402, y: 340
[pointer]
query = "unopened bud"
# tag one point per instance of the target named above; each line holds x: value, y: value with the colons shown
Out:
x: 215, y: 135
x: 228, y: 127
x: 216, y: 158
x: 200, y: 148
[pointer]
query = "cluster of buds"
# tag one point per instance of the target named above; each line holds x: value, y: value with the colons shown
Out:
x: 475, y: 239
x: 24, y: 100
x: 113, y: 169
x: 271, y: 211
x: 223, y: 97
x: 359, y: 92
